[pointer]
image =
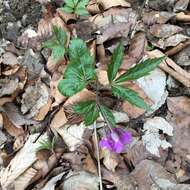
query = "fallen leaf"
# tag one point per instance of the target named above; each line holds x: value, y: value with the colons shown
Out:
x: 72, y: 135
x: 151, y: 175
x: 151, y: 137
x: 34, y: 98
x: 135, y: 52
x: 114, y: 31
x: 84, y: 95
x: 50, y: 185
x: 22, y: 182
x: 26, y: 156
x: 164, y: 30
x: 8, y: 86
x: 157, y: 17
x: 106, y: 5
x: 181, y: 5
x: 81, y: 181
x: 154, y: 86
x: 59, y: 119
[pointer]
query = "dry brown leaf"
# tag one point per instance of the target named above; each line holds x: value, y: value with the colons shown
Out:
x: 114, y: 31
x: 72, y: 135
x: 34, y: 98
x: 157, y: 17
x: 67, y: 17
x: 179, y: 105
x: 22, y: 182
x: 80, y: 96
x: 151, y: 175
x: 164, y: 30
x: 21, y: 162
x: 59, y: 119
x: 133, y: 111
x: 114, y: 3
x: 110, y: 159
x: 135, y: 52
x: 81, y: 181
x: 8, y: 86
x: 43, y: 111
x: 170, y: 41
x: 9, y: 59
x: 181, y: 5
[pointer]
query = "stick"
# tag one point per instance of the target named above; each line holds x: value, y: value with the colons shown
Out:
x: 98, y: 155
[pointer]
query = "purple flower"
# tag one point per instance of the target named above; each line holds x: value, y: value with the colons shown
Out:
x: 116, y: 140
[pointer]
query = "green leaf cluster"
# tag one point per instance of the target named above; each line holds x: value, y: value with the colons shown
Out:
x: 57, y: 43
x: 47, y: 144
x: 142, y: 69
x: 76, y: 6
x: 90, y: 111
x: 80, y: 70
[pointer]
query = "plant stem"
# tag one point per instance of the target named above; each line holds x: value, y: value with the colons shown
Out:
x: 98, y: 155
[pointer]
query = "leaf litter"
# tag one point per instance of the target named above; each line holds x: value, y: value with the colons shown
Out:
x: 46, y: 144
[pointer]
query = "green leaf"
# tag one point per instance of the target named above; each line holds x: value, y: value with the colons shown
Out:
x: 81, y: 11
x: 129, y: 95
x: 76, y: 6
x: 69, y: 87
x: 80, y: 71
x: 58, y: 52
x: 88, y: 110
x: 57, y: 43
x: 61, y: 35
x: 116, y: 62
x: 67, y: 9
x: 107, y: 115
x: 140, y: 70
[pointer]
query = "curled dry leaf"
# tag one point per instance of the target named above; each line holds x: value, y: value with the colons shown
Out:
x: 114, y: 3
x: 1, y: 121
x: 151, y: 137
x: 22, y: 161
x: 72, y: 135
x: 164, y: 30
x: 81, y: 180
x: 34, y: 98
x: 135, y: 52
x: 67, y: 17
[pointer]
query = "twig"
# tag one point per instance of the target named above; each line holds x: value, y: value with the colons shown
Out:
x: 98, y: 155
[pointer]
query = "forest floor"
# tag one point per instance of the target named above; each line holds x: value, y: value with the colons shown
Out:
x: 44, y: 145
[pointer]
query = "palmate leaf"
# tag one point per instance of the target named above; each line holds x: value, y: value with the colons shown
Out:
x: 69, y: 87
x: 116, y: 62
x: 129, y: 95
x: 140, y: 70
x: 80, y: 70
x: 57, y: 43
x: 88, y: 110
x: 76, y: 6
x: 107, y: 115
